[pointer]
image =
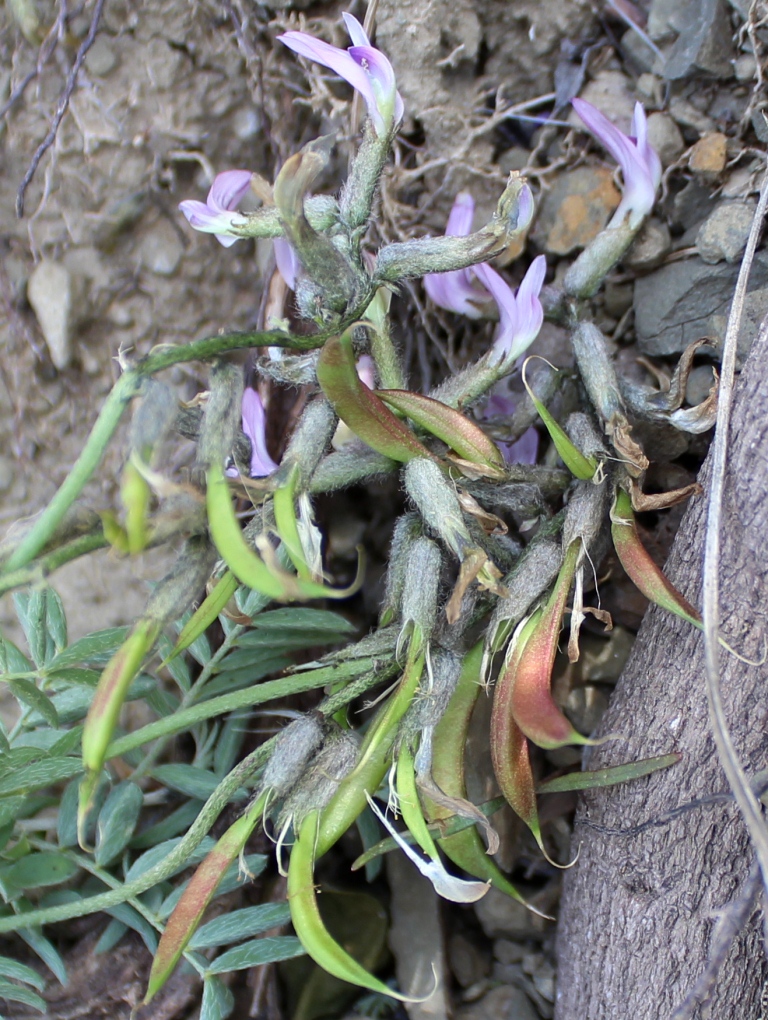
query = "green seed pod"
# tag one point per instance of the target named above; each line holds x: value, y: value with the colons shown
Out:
x: 419, y: 605
x: 316, y: 788
x: 222, y: 415
x: 407, y: 530
x: 294, y: 748
x: 436, y: 500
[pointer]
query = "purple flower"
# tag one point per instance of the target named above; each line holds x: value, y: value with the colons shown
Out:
x: 521, y: 314
x: 254, y: 426
x: 215, y: 215
x: 454, y: 290
x: 287, y: 262
x: 525, y: 450
x: 365, y: 68
x: 639, y: 162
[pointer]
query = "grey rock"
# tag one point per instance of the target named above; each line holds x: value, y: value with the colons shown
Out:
x: 745, y: 67
x: 504, y: 1003
x: 650, y: 246
x: 699, y: 384
x: 689, y: 299
x: 760, y: 124
x: 725, y: 232
x: 468, y: 964
x: 688, y: 116
x: 101, y: 58
x: 160, y: 249
x: 50, y: 295
x: 502, y: 917
x: 664, y: 135
x: 704, y: 43
x: 639, y: 53
x: 665, y: 19
x: 692, y: 205
x: 416, y: 940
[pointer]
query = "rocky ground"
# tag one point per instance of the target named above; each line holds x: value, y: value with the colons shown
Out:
x: 102, y: 264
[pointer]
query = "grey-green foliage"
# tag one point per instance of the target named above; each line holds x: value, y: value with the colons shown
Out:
x: 138, y: 822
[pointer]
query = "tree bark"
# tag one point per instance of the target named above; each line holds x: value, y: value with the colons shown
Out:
x: 640, y: 908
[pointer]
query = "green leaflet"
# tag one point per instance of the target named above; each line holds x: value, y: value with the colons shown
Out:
x: 577, y: 463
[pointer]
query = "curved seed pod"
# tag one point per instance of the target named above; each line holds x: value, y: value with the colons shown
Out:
x: 247, y: 567
x: 359, y: 407
x: 188, y: 912
x: 638, y: 564
x: 168, y: 601
x: 578, y: 464
x: 407, y: 530
x: 509, y: 747
x: 459, y: 433
x: 307, y: 922
x: 464, y: 848
x: 286, y: 523
x: 374, y: 758
x: 526, y: 682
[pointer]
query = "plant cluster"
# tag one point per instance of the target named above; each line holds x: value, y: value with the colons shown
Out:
x: 482, y: 566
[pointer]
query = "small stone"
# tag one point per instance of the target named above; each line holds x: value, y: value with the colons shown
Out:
x: 609, y: 91
x: 687, y: 116
x: 664, y: 19
x: 651, y: 90
x: 576, y: 209
x: 725, y: 232
x: 685, y: 300
x: 515, y: 158
x: 6, y: 473
x: 640, y: 54
x: 50, y: 294
x: 246, y: 123
x: 699, y: 384
x: 505, y: 1003
x: 760, y: 124
x: 617, y: 298
x: 692, y: 205
x: 508, y: 952
x: 650, y: 247
x: 709, y: 154
x: 664, y: 135
x: 467, y: 963
x: 500, y: 916
x: 704, y: 41
x: 160, y: 249
x: 101, y: 58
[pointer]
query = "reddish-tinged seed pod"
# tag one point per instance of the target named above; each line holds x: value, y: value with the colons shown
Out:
x: 638, y: 564
x: 188, y: 912
x: 509, y: 747
x: 525, y: 686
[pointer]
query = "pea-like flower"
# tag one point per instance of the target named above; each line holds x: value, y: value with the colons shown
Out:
x: 254, y: 426
x: 365, y: 68
x: 521, y: 314
x: 639, y: 161
x: 454, y: 290
x: 218, y: 214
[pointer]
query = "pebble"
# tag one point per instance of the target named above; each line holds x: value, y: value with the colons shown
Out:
x: 664, y: 19
x: 617, y: 298
x: 651, y: 90
x: 709, y: 154
x: 699, y: 384
x: 160, y: 249
x: 760, y: 125
x: 50, y: 294
x: 100, y: 59
x: 650, y: 247
x: 502, y: 917
x: 246, y: 123
x: 687, y: 116
x: 666, y: 138
x: 643, y: 56
x: 505, y: 1003
x: 576, y: 209
x: 692, y: 205
x: 724, y: 233
x: 609, y: 91
x: 688, y: 299
x: 468, y: 965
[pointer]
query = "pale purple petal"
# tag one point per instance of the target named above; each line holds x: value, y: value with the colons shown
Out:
x: 366, y: 371
x: 454, y: 291
x: 254, y: 426
x: 460, y: 219
x: 209, y: 221
x: 365, y: 68
x: 639, y: 162
x: 228, y: 189
x: 524, y: 451
x: 287, y: 262
x: 525, y: 208
x: 520, y: 316
x: 355, y: 30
